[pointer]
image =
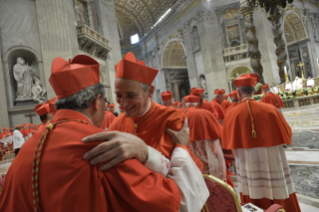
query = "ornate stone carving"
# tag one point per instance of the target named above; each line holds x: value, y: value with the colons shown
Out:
x: 92, y: 42
x: 29, y: 85
x: 196, y: 43
x: 253, y: 51
x: 275, y: 18
x: 202, y: 82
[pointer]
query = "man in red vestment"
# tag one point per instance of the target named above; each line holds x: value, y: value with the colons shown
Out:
x: 44, y: 111
x: 272, y: 98
x: 256, y: 132
x: 234, y: 101
x: 52, y: 174
x: 205, y: 134
x: 216, y: 103
x: 52, y: 106
x: 226, y: 104
x: 108, y: 119
x: 111, y: 108
x: 167, y: 98
x: 202, y: 104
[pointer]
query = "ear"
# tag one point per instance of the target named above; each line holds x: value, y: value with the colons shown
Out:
x: 95, y: 103
x: 151, y: 90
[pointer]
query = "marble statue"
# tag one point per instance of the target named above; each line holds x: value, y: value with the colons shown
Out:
x: 22, y: 75
x: 195, y: 36
x: 202, y: 81
x: 37, y: 91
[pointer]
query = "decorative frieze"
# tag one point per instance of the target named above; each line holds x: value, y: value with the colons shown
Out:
x: 92, y: 42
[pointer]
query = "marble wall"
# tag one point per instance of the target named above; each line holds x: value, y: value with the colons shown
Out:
x: 219, y: 25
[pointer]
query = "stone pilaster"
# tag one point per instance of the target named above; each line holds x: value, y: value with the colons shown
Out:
x: 56, y: 20
x: 276, y: 18
x: 4, y: 118
x: 253, y: 50
x: 110, y: 31
x: 313, y: 55
x: 190, y: 60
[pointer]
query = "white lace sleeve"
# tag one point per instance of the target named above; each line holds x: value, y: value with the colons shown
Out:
x: 157, y: 162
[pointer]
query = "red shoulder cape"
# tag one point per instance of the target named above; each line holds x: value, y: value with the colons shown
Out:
x: 270, y: 125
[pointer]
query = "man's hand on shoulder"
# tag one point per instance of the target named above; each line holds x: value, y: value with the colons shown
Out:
x: 181, y: 136
x: 116, y: 148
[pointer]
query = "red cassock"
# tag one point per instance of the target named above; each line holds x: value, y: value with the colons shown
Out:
x: 236, y: 134
x: 202, y: 125
x: 209, y: 107
x: 234, y: 104
x: 226, y: 104
x: 151, y: 128
x: 274, y: 99
x: 108, y: 119
x: 69, y: 183
x: 219, y: 109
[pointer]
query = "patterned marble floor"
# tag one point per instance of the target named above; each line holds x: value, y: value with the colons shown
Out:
x: 303, y: 119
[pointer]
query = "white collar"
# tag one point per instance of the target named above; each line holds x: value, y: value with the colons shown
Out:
x: 148, y: 107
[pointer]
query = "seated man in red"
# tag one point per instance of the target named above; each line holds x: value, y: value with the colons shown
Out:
x: 52, y: 174
x: 272, y: 98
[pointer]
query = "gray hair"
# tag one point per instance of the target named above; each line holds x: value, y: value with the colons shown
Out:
x: 246, y: 90
x: 145, y: 86
x: 82, y: 99
x: 234, y: 100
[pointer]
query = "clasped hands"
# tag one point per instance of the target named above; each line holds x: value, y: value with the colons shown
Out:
x: 121, y: 146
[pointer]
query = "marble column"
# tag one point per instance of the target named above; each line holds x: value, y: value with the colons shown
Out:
x: 313, y: 55
x: 211, y: 49
x: 109, y: 29
x: 4, y: 118
x: 57, y: 29
x: 276, y: 18
x: 90, y: 14
x: 190, y: 60
x: 253, y: 51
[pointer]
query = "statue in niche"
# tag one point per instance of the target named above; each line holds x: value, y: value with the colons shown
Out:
x: 202, y: 82
x: 29, y: 85
x: 22, y: 75
x: 195, y: 37
x: 37, y: 91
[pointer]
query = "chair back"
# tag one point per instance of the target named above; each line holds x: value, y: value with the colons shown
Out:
x: 222, y: 197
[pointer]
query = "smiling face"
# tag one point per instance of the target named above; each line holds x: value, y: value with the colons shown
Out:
x: 131, y: 96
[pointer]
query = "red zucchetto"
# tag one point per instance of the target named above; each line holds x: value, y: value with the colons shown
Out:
x: 219, y: 92
x: 166, y: 96
x: 42, y: 109
x: 265, y: 87
x: 191, y: 99
x: 130, y: 68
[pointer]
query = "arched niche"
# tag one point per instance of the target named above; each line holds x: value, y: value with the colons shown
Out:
x: 32, y: 59
x: 237, y: 71
x: 174, y: 55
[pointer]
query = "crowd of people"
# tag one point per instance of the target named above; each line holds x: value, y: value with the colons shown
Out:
x: 150, y: 157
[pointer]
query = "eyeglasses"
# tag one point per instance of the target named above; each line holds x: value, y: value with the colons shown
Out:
x: 104, y: 98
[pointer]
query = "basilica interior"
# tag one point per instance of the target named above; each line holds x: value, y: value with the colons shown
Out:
x: 193, y: 43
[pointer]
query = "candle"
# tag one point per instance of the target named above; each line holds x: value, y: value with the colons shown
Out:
x: 285, y: 69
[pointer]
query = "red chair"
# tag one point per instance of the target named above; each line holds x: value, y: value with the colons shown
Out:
x: 223, y: 198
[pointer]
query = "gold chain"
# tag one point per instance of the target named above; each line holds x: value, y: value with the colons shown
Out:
x: 143, y: 119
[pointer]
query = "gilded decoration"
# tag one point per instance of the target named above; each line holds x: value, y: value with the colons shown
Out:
x: 233, y: 33
x: 294, y: 29
x: 139, y: 15
x: 232, y: 13
x: 174, y: 55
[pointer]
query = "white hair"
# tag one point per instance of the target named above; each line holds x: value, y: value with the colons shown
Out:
x: 188, y: 104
